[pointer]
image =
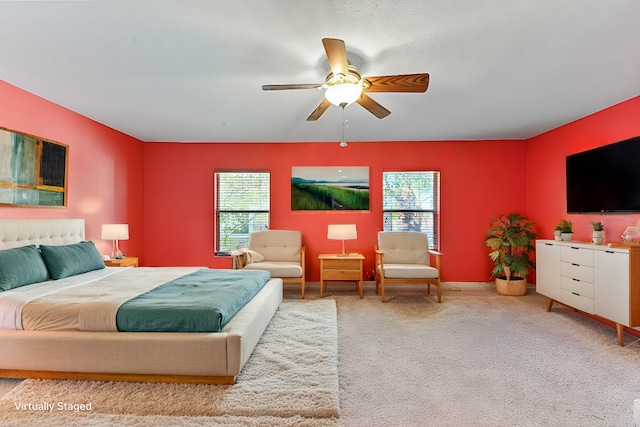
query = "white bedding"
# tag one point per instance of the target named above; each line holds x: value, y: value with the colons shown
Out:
x: 85, y: 302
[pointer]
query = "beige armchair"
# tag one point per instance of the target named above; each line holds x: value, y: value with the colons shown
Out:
x: 404, y: 257
x: 283, y: 255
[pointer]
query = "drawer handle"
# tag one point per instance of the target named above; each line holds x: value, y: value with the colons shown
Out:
x: 573, y: 247
x: 610, y: 252
x: 577, y: 265
x: 576, y: 280
x: 575, y: 294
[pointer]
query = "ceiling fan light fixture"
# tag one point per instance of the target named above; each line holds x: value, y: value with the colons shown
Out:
x: 343, y: 93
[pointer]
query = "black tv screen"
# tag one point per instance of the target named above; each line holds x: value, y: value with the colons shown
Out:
x: 605, y: 179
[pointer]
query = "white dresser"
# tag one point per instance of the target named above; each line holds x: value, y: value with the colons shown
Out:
x: 599, y: 280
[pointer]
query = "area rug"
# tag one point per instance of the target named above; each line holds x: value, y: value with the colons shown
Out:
x: 290, y: 379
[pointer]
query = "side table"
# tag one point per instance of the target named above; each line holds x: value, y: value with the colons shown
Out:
x: 341, y: 268
x: 128, y: 261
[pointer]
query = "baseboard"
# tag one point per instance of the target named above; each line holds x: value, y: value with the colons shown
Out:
x: 371, y: 284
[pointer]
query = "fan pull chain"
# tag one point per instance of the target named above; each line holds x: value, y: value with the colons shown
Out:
x: 345, y: 124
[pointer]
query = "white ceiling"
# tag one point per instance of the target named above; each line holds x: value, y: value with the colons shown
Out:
x: 192, y: 70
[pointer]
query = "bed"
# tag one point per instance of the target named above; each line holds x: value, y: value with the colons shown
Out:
x: 190, y: 357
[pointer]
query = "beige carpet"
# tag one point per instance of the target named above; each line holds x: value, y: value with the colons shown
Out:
x: 290, y: 379
x: 477, y: 359
x: 480, y: 359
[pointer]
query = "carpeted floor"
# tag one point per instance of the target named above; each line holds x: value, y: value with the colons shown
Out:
x: 477, y: 359
x: 290, y: 379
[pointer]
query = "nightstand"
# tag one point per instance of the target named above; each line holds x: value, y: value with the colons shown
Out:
x: 343, y: 268
x: 128, y: 261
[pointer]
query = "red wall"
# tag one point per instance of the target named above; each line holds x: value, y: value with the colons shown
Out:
x: 105, y: 167
x: 165, y: 190
x: 178, y: 196
x: 546, y: 198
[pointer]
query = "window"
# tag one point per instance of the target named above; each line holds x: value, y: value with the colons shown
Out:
x: 411, y: 202
x: 241, y: 207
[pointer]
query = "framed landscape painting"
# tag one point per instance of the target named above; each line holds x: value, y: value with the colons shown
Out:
x: 320, y: 188
x: 33, y: 171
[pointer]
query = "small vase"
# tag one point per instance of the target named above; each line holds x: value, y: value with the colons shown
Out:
x: 557, y: 234
x: 597, y: 236
x: 631, y: 235
x: 567, y: 237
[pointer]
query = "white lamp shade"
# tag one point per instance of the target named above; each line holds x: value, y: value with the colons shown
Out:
x: 115, y: 232
x: 342, y: 232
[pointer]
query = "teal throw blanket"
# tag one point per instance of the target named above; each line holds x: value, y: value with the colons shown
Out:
x: 203, y: 301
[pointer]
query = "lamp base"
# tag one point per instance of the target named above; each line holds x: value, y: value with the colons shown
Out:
x: 115, y: 252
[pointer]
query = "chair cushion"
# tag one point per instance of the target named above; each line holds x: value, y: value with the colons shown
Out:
x: 401, y: 247
x: 409, y: 271
x: 277, y: 269
x: 277, y: 245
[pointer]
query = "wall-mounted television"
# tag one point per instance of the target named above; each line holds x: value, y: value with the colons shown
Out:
x: 605, y: 179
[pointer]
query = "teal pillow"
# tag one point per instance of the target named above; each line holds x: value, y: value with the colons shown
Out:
x: 69, y: 260
x: 21, y: 266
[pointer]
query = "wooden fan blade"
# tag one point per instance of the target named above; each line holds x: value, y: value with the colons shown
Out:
x: 399, y: 83
x: 337, y: 55
x: 374, y: 108
x: 292, y: 86
x: 320, y: 109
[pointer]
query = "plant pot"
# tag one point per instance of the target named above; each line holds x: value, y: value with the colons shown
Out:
x: 567, y: 237
x: 597, y: 237
x: 515, y: 287
x: 557, y: 234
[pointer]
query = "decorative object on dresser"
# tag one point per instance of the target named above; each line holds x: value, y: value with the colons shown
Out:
x: 342, y: 232
x: 404, y: 257
x: 115, y: 232
x: 565, y: 227
x: 631, y: 236
x: 598, y: 232
x: 602, y: 281
x: 511, y: 240
x: 341, y: 267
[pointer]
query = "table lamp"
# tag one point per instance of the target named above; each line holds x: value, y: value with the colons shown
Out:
x: 342, y: 232
x: 115, y: 232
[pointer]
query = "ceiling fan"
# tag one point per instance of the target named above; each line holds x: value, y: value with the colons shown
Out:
x: 344, y: 85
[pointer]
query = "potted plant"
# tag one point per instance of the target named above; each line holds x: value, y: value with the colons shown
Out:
x: 566, y: 229
x: 511, y: 240
x: 557, y: 232
x: 598, y: 231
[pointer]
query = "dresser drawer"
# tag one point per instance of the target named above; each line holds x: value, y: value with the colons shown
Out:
x: 576, y: 286
x: 347, y: 264
x: 576, y: 301
x: 574, y: 255
x: 576, y: 271
x: 335, y: 274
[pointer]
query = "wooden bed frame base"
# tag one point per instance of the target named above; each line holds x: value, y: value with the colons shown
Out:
x: 91, y: 376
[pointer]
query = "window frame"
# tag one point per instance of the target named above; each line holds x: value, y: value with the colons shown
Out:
x: 435, y: 237
x: 216, y: 204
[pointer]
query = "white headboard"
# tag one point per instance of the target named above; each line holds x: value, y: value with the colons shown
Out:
x: 22, y: 232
